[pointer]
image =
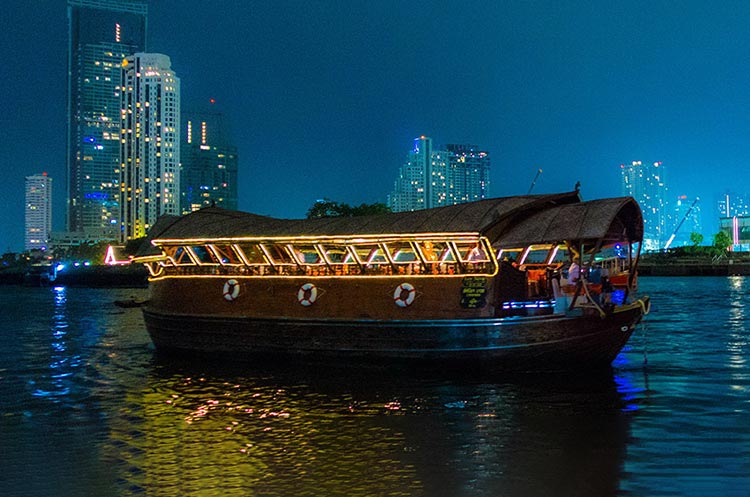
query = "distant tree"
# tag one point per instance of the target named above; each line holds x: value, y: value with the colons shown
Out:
x: 696, y: 238
x: 370, y: 209
x: 722, y: 241
x: 329, y: 208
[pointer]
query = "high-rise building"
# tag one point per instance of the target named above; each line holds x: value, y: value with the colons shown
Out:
x: 38, y: 225
x: 209, y: 162
x: 646, y: 183
x: 101, y: 34
x: 730, y: 204
x: 410, y: 190
x: 149, y: 163
x: 468, y: 174
x: 432, y: 178
x: 687, y: 220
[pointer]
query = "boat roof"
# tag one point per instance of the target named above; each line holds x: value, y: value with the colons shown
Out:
x: 505, y: 221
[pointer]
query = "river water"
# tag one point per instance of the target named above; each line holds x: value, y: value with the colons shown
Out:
x: 87, y: 408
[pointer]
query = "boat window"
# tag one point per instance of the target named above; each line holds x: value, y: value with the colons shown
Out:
x: 226, y: 254
x: 436, y: 252
x: 510, y: 255
x: 560, y: 255
x: 472, y: 252
x: 178, y: 255
x: 252, y: 253
x: 402, y: 252
x: 337, y: 254
x: 371, y: 254
x: 204, y: 255
x: 537, y: 255
x: 306, y: 254
x: 279, y: 254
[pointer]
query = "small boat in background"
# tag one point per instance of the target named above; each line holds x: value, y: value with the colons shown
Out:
x: 492, y: 281
x: 128, y: 303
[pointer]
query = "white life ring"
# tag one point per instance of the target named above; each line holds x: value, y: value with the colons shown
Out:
x: 307, y: 294
x: 404, y: 295
x: 231, y: 290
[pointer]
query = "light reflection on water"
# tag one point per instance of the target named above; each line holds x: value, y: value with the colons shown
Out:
x: 309, y: 432
x: 88, y: 408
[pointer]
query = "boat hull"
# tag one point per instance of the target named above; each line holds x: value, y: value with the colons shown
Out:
x: 550, y: 342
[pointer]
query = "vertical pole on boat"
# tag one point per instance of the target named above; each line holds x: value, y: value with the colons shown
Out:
x: 633, y: 266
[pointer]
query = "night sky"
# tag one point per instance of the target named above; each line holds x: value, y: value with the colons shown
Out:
x: 325, y: 98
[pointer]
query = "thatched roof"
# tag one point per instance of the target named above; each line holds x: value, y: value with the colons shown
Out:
x: 533, y: 218
x: 610, y: 220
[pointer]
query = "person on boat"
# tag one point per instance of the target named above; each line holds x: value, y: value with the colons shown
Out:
x: 574, y: 271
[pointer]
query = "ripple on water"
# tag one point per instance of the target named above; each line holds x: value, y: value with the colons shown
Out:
x: 81, y: 387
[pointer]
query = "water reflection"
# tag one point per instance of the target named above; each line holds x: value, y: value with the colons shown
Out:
x: 120, y: 420
x: 208, y: 431
x: 737, y: 339
x: 57, y: 383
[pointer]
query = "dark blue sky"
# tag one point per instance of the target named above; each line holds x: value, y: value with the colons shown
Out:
x: 326, y: 97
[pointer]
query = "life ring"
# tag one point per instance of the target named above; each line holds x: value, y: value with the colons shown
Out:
x: 231, y: 290
x: 307, y: 294
x: 404, y: 295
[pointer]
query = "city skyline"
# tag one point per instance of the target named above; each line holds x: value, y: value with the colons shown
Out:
x: 322, y: 98
x: 99, y: 40
x: 436, y: 177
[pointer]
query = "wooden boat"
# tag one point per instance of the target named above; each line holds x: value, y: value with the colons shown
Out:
x: 482, y: 281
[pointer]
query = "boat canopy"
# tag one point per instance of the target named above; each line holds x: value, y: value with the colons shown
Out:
x: 609, y: 221
x: 505, y: 222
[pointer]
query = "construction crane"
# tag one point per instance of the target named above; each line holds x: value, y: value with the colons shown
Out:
x: 671, y: 238
x: 539, y: 171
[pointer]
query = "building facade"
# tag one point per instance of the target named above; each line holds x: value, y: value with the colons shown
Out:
x: 738, y: 229
x: 468, y: 174
x: 730, y: 204
x: 101, y: 34
x: 149, y: 165
x: 647, y: 184
x: 429, y: 178
x: 209, y: 162
x: 38, y: 212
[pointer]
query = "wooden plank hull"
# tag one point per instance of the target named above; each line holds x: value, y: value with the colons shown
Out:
x: 552, y: 342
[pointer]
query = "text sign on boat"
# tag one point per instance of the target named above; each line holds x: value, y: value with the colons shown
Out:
x: 473, y: 292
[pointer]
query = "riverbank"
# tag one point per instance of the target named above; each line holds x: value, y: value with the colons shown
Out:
x: 677, y: 269
x: 668, y: 264
x: 132, y: 276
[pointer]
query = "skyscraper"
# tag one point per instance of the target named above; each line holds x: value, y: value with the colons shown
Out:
x: 646, y: 183
x: 410, y: 190
x: 469, y: 172
x: 38, y: 223
x: 101, y: 34
x: 209, y: 162
x: 149, y: 167
x: 451, y: 175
